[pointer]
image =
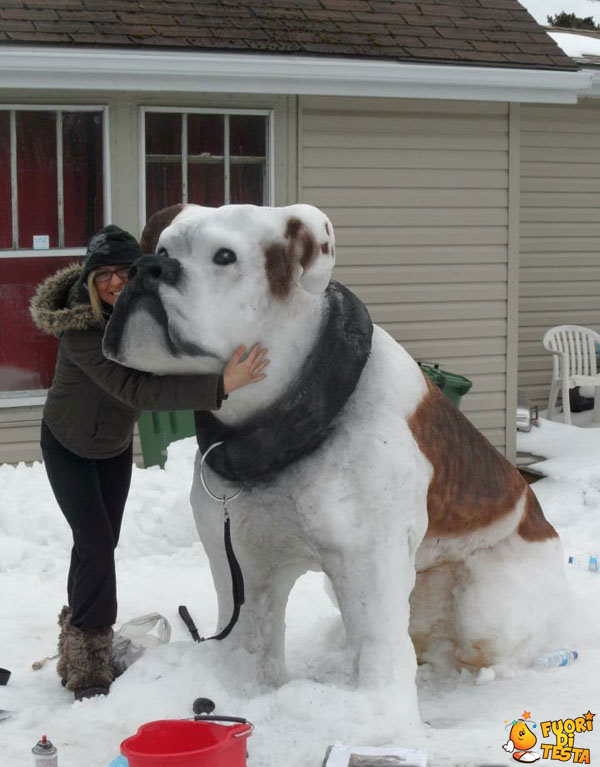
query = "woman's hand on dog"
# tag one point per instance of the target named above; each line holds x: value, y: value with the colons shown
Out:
x: 240, y: 372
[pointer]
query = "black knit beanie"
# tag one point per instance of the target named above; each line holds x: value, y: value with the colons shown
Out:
x: 110, y: 246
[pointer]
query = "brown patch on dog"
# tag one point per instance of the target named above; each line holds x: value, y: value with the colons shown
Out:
x: 473, y: 485
x: 324, y: 247
x: 302, y: 242
x: 293, y: 227
x: 481, y: 653
x: 534, y: 525
x: 279, y: 265
x: 155, y: 225
x: 280, y: 259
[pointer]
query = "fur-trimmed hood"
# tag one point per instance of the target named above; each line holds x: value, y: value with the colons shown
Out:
x: 57, y: 305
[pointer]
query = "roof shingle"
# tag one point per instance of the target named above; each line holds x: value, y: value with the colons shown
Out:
x: 471, y: 32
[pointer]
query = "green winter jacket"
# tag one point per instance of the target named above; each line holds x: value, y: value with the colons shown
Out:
x: 93, y: 403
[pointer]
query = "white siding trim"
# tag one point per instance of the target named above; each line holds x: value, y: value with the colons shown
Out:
x: 107, y: 69
x: 107, y: 212
x: 512, y: 310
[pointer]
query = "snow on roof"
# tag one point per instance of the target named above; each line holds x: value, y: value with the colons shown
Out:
x: 580, y: 45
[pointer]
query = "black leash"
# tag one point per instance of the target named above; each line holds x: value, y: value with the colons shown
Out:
x: 237, y: 588
x: 237, y: 579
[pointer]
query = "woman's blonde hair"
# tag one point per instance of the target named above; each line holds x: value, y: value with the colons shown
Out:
x: 95, y: 299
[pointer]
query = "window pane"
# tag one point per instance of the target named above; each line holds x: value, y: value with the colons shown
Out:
x: 206, y: 166
x: 163, y: 185
x: 82, y: 176
x: 247, y: 183
x: 36, y: 177
x: 163, y: 161
x: 5, y: 202
x: 247, y: 136
x: 205, y: 134
x: 27, y: 356
x: 206, y: 184
x: 163, y: 133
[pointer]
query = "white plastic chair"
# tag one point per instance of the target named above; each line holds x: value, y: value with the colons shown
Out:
x: 574, y: 364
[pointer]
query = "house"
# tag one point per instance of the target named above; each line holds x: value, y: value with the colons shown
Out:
x: 404, y: 121
x: 560, y: 216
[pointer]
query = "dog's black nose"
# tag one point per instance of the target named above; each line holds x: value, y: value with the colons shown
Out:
x: 148, y: 271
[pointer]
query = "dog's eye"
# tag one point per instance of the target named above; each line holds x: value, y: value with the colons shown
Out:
x: 163, y: 252
x: 224, y: 256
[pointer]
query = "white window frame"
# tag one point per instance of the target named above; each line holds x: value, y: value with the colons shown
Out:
x: 269, y: 192
x: 59, y: 109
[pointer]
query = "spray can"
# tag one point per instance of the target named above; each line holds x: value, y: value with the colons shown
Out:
x: 44, y: 753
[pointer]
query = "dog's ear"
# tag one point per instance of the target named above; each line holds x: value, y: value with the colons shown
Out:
x: 155, y: 224
x: 307, y: 252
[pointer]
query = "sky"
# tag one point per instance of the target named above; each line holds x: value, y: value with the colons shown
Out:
x: 541, y: 9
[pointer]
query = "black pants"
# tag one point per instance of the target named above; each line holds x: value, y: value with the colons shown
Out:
x: 91, y: 494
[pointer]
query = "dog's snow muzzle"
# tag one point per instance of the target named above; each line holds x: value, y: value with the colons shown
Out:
x: 142, y: 295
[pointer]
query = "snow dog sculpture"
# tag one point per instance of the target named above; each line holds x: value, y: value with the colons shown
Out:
x: 354, y: 462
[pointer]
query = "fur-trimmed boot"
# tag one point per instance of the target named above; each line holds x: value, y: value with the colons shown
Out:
x: 89, y: 664
x: 64, y: 619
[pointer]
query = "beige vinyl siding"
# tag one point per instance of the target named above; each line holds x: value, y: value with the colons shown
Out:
x: 559, y: 231
x: 20, y: 436
x: 418, y: 195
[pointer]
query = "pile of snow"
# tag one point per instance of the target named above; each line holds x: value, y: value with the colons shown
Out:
x: 161, y: 565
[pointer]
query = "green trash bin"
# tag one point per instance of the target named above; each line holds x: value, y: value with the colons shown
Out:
x: 158, y: 430
x: 453, y: 385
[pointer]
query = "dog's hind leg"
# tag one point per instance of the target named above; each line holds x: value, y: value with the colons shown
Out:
x: 432, y: 616
x: 503, y: 598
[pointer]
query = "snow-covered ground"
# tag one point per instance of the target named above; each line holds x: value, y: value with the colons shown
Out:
x: 160, y: 565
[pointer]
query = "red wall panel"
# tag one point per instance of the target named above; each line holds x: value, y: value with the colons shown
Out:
x: 5, y: 204
x: 27, y: 355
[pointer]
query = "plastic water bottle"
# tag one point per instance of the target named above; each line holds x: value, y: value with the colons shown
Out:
x: 556, y: 658
x: 591, y: 562
x: 44, y: 753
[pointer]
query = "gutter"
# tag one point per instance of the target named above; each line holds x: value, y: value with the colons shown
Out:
x: 104, y: 69
x: 583, y: 47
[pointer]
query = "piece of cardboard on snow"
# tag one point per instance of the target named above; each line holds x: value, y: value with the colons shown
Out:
x: 339, y: 755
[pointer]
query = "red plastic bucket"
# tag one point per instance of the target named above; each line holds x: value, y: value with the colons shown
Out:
x: 187, y: 743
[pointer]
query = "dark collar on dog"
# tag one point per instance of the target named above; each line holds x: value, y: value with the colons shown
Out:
x: 303, y: 417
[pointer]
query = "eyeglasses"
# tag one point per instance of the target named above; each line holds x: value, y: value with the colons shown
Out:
x: 106, y: 274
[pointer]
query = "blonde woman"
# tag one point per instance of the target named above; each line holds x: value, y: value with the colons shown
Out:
x: 86, y: 440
